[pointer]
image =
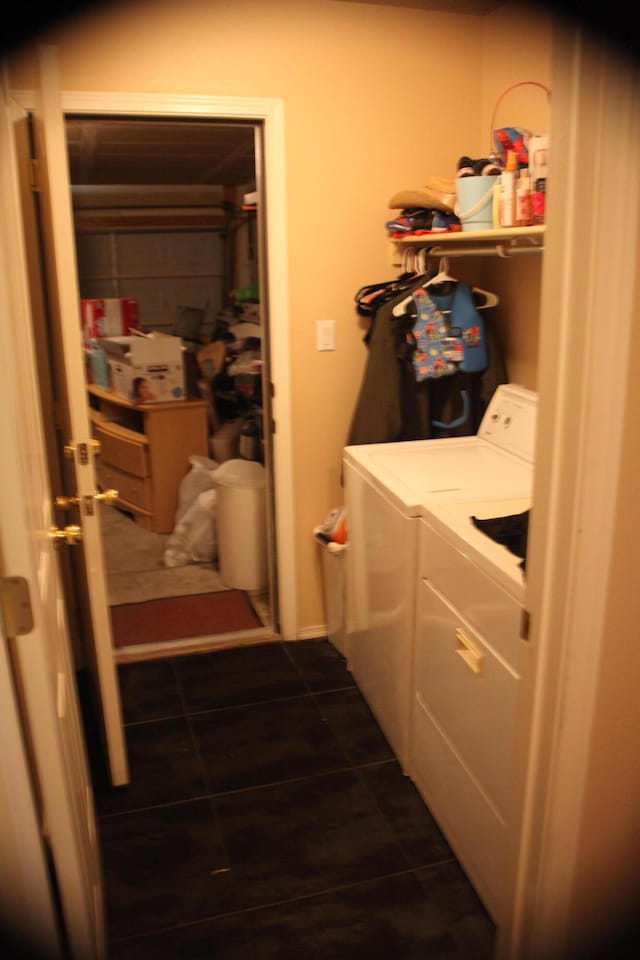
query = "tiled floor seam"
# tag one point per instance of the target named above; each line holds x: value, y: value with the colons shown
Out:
x: 220, y: 794
x: 269, y: 905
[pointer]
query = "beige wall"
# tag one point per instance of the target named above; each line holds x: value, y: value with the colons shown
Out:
x: 376, y: 99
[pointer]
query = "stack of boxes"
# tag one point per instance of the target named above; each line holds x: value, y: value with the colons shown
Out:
x: 146, y: 369
x: 109, y: 317
x: 100, y: 318
x: 140, y: 368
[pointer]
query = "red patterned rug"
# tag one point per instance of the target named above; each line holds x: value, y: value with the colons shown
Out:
x: 173, y: 618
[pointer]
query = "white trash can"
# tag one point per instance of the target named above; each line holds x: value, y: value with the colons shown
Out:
x: 333, y: 577
x: 241, y: 520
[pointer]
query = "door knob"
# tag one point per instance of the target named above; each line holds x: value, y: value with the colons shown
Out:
x: 70, y: 534
x: 106, y: 496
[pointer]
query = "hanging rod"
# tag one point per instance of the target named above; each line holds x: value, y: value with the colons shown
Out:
x: 497, y: 250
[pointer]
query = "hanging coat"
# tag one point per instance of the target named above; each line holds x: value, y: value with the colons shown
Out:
x: 386, y: 406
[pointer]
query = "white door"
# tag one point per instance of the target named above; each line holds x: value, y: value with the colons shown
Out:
x: 64, y: 311
x: 27, y: 905
x: 58, y: 795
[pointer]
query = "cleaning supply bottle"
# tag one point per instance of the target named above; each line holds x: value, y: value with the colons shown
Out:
x: 539, y: 164
x: 523, y: 200
x: 538, y: 201
x: 249, y: 439
x: 508, y: 191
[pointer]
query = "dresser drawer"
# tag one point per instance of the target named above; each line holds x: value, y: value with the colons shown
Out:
x: 135, y: 491
x: 123, y: 452
x: 483, y: 602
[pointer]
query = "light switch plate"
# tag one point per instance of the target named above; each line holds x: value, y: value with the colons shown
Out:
x: 326, y: 335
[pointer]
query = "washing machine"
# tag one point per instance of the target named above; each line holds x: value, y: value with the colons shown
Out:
x: 471, y: 658
x: 387, y: 486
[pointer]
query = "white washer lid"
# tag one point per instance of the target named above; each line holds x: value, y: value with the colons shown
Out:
x: 498, y: 461
x: 419, y: 472
x: 453, y: 521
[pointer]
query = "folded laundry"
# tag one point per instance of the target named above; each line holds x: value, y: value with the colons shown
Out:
x: 418, y: 220
x: 413, y: 218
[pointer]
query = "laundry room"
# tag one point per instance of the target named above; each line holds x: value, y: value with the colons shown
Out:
x: 395, y: 385
x: 333, y: 211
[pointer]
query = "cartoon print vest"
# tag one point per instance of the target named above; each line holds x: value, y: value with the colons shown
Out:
x: 448, y: 334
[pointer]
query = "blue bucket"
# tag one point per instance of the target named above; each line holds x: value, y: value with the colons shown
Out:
x: 474, y: 207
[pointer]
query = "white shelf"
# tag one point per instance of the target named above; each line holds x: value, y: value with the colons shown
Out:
x: 503, y: 242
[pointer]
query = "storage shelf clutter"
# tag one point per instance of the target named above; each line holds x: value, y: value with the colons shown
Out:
x: 225, y: 372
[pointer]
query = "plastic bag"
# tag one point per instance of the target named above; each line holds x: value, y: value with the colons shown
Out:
x: 194, y: 537
x: 199, y: 478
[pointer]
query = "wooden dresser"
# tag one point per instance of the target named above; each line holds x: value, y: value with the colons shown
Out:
x: 145, y: 450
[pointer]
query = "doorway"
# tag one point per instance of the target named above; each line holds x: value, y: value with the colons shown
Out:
x: 271, y: 182
x: 166, y: 220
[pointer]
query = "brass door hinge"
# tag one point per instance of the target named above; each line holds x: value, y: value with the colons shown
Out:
x: 34, y: 176
x: 81, y: 450
x: 15, y: 603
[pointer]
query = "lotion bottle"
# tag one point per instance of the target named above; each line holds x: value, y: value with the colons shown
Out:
x: 508, y: 191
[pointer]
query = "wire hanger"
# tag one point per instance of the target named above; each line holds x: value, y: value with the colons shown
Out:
x: 440, y: 277
x: 421, y: 261
x: 443, y: 275
x: 490, y: 299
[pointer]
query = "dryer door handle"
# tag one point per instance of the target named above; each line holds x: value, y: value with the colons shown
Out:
x: 469, y: 651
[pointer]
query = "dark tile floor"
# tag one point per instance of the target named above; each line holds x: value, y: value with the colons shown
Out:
x: 268, y: 818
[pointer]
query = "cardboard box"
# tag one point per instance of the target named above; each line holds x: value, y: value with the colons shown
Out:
x: 146, y: 369
x: 110, y: 317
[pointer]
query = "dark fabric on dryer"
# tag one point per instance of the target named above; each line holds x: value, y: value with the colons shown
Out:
x: 511, y: 531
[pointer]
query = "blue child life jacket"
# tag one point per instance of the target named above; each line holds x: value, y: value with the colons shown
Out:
x: 449, y: 333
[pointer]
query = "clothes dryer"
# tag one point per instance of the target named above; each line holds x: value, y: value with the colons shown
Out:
x: 386, y: 487
x: 471, y: 661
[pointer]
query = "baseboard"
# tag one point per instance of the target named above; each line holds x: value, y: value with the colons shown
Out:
x: 312, y: 633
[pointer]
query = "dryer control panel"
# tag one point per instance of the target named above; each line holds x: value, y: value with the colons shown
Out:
x: 510, y: 420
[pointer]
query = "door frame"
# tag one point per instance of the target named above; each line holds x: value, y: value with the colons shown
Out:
x: 269, y: 112
x: 589, y: 275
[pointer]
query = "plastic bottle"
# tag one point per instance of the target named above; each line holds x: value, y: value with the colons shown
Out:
x: 508, y: 191
x: 523, y: 200
x: 538, y: 201
x: 495, y: 204
x: 249, y: 437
